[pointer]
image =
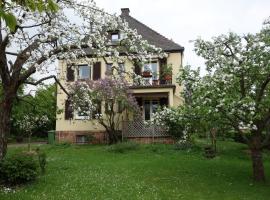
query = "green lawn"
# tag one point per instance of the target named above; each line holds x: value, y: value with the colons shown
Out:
x: 151, y: 172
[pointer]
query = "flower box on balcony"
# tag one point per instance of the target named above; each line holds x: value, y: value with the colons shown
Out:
x: 168, y: 77
x: 146, y: 74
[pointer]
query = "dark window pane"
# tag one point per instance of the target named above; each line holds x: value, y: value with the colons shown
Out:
x: 155, y: 106
x: 147, y: 110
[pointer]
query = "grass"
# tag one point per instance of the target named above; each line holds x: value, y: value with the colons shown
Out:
x: 148, y: 172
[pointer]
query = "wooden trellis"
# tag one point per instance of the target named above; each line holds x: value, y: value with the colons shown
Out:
x: 140, y: 129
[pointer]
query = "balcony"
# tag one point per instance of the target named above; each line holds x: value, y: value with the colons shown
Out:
x: 148, y: 79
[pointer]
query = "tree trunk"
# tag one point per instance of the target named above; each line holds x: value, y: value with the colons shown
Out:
x: 29, y: 142
x: 5, y: 114
x: 113, y: 139
x: 256, y: 157
x: 257, y: 165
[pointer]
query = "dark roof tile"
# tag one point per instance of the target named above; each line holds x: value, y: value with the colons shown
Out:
x: 149, y: 34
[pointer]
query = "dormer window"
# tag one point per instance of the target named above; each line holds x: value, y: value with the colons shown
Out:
x: 115, y: 37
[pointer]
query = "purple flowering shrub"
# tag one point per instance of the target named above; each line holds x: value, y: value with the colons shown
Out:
x: 114, y: 94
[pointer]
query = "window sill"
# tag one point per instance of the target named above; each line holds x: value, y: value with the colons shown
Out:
x: 83, y: 79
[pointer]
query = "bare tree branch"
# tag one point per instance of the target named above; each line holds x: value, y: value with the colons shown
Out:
x: 11, y: 53
x: 262, y: 88
x: 47, y: 78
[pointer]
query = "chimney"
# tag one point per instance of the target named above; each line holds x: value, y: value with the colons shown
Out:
x: 125, y: 11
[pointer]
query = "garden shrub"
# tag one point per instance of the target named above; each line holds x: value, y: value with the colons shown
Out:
x: 171, y: 119
x: 123, y: 147
x: 18, y: 169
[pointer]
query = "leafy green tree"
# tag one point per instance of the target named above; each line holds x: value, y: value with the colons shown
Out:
x: 236, y: 90
x: 33, y: 5
x: 43, y: 103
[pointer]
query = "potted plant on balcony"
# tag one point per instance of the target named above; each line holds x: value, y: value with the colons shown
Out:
x: 147, y: 73
x: 167, y: 73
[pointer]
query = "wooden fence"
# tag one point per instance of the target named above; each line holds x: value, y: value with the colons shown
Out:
x: 140, y: 129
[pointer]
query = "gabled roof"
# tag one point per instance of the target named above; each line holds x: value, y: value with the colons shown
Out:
x: 149, y: 34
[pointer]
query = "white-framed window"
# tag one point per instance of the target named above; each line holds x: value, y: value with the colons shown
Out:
x: 84, y: 72
x: 115, y: 37
x: 153, y: 67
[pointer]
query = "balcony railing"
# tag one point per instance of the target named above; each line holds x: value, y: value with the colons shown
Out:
x: 148, y: 78
x: 151, y: 82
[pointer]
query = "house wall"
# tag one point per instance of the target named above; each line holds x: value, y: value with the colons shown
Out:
x: 176, y: 60
x: 69, y: 128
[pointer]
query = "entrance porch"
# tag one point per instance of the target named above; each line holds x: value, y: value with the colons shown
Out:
x: 139, y: 129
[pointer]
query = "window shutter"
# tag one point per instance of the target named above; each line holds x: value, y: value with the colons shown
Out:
x: 97, y: 71
x: 137, y: 68
x: 68, y: 110
x: 162, y: 64
x: 70, y: 74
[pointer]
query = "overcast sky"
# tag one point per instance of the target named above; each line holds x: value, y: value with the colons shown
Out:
x: 185, y: 20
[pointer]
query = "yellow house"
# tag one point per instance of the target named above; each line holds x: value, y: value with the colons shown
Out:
x: 153, y: 91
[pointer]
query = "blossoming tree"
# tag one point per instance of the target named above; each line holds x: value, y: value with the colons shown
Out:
x: 29, y: 122
x: 236, y: 90
x: 113, y: 93
x: 40, y: 38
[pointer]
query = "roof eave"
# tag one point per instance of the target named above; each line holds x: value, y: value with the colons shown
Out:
x: 180, y: 50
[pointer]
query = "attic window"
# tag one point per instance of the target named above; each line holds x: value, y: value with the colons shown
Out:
x: 115, y: 37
